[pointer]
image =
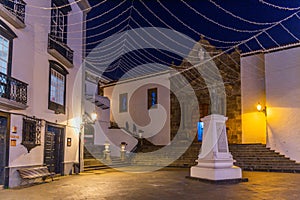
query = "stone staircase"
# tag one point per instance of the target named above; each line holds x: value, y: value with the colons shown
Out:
x: 150, y: 155
x: 250, y: 157
x: 93, y: 159
x: 257, y: 157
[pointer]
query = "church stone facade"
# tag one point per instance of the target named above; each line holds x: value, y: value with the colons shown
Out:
x: 228, y: 65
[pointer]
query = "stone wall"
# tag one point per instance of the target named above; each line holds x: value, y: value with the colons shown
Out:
x: 229, y: 68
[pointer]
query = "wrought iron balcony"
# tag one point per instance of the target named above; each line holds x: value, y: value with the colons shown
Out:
x: 16, y: 8
x: 60, y: 51
x: 13, y: 92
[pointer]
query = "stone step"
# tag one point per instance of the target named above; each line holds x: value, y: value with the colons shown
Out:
x: 248, y: 156
x: 274, y: 159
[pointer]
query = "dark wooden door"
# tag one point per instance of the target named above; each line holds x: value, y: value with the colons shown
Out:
x: 3, y: 131
x: 53, y: 154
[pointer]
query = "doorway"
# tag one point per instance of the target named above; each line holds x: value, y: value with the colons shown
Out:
x: 54, y: 148
x: 4, y: 148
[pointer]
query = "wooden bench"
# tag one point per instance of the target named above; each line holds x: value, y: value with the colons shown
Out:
x: 35, y: 172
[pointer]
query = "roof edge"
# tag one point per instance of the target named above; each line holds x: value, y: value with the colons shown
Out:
x: 84, y: 5
x: 271, y: 50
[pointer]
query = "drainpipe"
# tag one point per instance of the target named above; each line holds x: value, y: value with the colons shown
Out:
x: 81, y: 133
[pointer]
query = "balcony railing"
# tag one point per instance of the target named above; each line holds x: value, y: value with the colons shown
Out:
x: 64, y: 51
x: 13, y: 89
x: 16, y: 7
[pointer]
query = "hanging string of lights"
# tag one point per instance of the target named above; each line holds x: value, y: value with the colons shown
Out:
x: 240, y: 18
x: 118, y: 24
x: 278, y: 7
x: 212, y: 21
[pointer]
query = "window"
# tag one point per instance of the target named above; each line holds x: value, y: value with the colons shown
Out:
x: 6, y: 44
x: 4, y: 51
x: 152, y: 98
x: 59, y: 19
x: 57, y: 87
x: 31, y: 134
x: 123, y: 102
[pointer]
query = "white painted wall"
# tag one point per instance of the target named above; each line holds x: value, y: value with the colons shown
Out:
x: 282, y: 97
x: 31, y: 65
x: 253, y: 91
x: 155, y: 123
x: 283, y: 100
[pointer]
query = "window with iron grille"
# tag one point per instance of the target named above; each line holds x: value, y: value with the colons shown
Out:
x: 31, y: 134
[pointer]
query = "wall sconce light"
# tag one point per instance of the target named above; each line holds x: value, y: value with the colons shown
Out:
x: 261, y: 109
x: 94, y: 116
x: 89, y: 119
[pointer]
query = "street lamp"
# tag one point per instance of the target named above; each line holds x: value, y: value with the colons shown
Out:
x: 94, y: 116
x: 89, y: 119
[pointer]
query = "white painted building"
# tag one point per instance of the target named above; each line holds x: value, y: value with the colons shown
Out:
x: 41, y: 52
x: 271, y: 78
x: 130, y: 104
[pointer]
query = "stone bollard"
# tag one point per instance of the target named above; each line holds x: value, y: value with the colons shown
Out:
x: 106, y: 153
x: 123, y: 151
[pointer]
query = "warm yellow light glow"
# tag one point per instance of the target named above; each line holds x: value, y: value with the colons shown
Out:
x: 258, y: 107
x: 94, y: 116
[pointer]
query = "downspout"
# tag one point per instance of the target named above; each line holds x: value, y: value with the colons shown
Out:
x: 81, y: 133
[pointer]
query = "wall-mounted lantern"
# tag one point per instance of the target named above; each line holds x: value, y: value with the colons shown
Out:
x: 260, y: 108
x: 89, y: 119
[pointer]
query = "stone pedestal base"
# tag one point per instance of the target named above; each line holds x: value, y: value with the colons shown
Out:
x: 216, y: 174
x: 122, y: 155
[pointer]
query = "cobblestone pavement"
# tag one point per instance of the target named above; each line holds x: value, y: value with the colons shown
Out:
x: 168, y: 183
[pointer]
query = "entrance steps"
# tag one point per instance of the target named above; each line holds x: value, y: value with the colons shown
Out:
x: 98, y: 164
x: 250, y: 157
x: 93, y: 159
x: 168, y: 157
x: 257, y: 157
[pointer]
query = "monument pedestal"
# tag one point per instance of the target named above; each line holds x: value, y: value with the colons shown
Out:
x: 232, y: 173
x: 215, y: 162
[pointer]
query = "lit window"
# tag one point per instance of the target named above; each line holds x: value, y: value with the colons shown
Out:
x: 6, y: 44
x: 123, y: 102
x: 152, y: 98
x: 4, y: 51
x: 57, y: 87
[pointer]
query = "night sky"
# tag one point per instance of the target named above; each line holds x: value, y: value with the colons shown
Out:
x: 247, y: 24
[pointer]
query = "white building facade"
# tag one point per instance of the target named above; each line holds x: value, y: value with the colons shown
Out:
x: 271, y: 78
x: 41, y: 47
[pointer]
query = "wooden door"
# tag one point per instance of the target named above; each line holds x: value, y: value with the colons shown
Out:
x: 53, y: 153
x: 3, y: 131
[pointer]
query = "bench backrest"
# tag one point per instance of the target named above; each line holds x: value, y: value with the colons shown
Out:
x: 36, y: 171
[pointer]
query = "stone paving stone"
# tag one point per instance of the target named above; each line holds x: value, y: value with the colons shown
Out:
x: 166, y: 184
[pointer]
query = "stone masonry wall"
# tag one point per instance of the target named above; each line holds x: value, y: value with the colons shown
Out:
x: 229, y: 68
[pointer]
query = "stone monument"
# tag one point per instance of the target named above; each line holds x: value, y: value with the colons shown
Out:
x: 215, y: 162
